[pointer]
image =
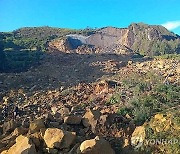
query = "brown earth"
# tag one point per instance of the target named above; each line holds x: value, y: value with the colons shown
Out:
x: 69, y: 93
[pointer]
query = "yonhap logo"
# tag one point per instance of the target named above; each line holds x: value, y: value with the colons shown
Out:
x: 137, y: 142
x: 161, y: 141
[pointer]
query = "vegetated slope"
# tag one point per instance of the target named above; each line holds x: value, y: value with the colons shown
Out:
x: 23, y: 48
x: 2, y: 58
x: 36, y: 38
x: 154, y: 40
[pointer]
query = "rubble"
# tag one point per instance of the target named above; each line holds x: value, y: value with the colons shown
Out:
x: 36, y: 125
x: 23, y: 145
x: 95, y: 146
x: 73, y: 120
x: 66, y: 120
x: 90, y: 119
x: 9, y: 126
x: 57, y: 138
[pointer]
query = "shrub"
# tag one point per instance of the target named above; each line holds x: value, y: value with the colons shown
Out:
x: 116, y: 98
x: 148, y: 99
x: 125, y: 110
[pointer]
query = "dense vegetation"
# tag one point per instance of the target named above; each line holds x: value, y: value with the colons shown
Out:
x: 23, y: 47
x: 35, y: 39
x: 17, y: 60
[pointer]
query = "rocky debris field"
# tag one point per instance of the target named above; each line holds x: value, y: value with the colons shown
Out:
x: 92, y: 117
x: 57, y: 69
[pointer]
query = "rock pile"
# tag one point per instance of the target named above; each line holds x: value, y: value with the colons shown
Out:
x: 82, y: 119
x: 72, y: 135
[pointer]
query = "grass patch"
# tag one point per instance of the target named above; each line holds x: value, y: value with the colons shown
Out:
x: 148, y: 97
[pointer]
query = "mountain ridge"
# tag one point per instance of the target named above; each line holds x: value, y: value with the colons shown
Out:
x: 141, y: 38
x: 137, y: 38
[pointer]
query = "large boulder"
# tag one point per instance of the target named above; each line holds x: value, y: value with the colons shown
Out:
x: 57, y: 138
x: 73, y: 119
x: 4, y: 152
x: 160, y: 122
x: 138, y: 136
x: 90, y: 119
x: 95, y: 146
x: 23, y: 146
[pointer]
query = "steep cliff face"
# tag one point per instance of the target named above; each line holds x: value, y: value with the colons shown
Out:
x: 106, y: 37
x: 140, y: 38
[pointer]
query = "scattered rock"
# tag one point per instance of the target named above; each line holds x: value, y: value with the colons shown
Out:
x: 57, y: 138
x: 160, y: 122
x: 130, y: 62
x: 26, y: 123
x: 103, y: 119
x: 90, y: 119
x: 49, y: 117
x: 64, y: 111
x: 23, y: 145
x: 101, y: 87
x: 19, y: 131
x: 138, y: 136
x: 36, y: 125
x: 54, y: 110
x: 54, y: 124
x: 126, y: 143
x: 140, y: 65
x: 95, y: 146
x: 73, y: 120
x: 68, y: 104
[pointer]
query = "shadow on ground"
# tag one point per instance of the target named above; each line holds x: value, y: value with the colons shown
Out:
x: 59, y: 69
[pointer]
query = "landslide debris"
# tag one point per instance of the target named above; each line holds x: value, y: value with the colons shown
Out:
x: 121, y: 113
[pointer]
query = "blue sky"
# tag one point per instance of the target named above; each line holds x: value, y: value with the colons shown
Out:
x: 93, y: 13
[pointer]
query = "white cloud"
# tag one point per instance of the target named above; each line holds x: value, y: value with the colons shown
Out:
x: 170, y: 25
